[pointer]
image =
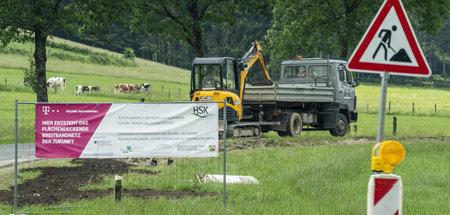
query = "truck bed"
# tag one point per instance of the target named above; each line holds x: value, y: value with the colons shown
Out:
x: 288, y: 92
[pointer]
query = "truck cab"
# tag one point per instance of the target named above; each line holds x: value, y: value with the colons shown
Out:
x: 322, y: 73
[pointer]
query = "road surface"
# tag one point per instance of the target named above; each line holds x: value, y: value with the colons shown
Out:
x: 25, y: 153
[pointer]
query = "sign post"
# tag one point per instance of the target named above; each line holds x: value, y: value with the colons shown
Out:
x: 384, y: 83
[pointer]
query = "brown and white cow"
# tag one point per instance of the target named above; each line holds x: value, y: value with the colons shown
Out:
x: 120, y: 88
x: 126, y: 88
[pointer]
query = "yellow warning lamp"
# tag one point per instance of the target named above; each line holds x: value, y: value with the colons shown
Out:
x: 386, y: 155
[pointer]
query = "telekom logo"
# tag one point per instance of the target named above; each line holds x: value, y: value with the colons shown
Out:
x: 45, y: 109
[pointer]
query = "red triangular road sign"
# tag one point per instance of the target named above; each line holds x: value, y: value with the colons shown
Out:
x: 389, y: 45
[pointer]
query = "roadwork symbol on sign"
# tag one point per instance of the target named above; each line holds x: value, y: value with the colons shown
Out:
x: 389, y: 45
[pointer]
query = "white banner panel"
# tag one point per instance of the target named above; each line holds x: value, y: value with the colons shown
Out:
x: 127, y: 130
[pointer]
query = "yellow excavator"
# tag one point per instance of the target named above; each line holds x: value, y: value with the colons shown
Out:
x: 220, y: 78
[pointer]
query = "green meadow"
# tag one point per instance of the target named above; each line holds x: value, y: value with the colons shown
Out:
x: 314, y: 173
x: 427, y: 101
x: 295, y: 179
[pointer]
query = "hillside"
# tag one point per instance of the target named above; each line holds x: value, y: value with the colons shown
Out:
x: 84, y: 65
x: 15, y: 56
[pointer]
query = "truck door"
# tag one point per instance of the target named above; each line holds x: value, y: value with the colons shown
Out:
x: 345, y: 92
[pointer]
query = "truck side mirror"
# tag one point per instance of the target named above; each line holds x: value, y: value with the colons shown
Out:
x: 356, y: 84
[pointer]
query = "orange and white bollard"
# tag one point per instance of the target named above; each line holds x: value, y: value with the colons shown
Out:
x: 385, y: 190
x: 384, y: 196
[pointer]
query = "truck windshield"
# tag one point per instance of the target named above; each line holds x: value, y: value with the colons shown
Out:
x: 295, y: 72
x: 319, y: 71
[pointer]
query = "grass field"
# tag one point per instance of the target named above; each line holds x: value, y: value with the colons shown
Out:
x: 402, y: 99
x: 298, y: 179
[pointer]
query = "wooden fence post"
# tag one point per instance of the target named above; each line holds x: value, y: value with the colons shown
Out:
x: 389, y: 110
x: 413, y: 107
x: 118, y: 188
x: 435, y: 108
x: 6, y: 81
x: 169, y: 94
x: 394, y: 126
x: 179, y: 92
x: 162, y: 90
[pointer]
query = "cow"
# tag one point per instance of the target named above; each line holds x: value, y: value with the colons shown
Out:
x: 145, y: 87
x: 96, y: 88
x: 126, y: 88
x: 132, y: 87
x: 120, y: 88
x: 81, y: 89
x: 54, y: 82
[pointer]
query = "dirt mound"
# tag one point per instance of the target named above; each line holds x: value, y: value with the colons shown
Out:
x: 57, y: 184
x: 242, y: 144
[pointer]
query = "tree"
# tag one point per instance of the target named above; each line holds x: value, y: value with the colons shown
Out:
x: 184, y: 20
x: 22, y: 20
x: 317, y: 27
x: 129, y: 53
x: 235, y: 40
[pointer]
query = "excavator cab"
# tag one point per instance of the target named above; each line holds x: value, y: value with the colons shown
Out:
x: 223, y: 78
x: 216, y: 79
x: 214, y: 74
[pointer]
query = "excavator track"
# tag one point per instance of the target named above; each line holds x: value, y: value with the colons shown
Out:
x: 249, y: 130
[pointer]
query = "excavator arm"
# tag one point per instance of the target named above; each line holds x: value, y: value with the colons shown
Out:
x: 255, y: 54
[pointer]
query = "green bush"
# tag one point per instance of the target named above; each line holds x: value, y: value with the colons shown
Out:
x: 128, y: 53
x: 30, y: 74
x: 68, y: 48
x: 76, y: 54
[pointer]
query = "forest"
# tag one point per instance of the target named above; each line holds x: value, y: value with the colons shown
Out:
x: 234, y: 38
x: 175, y: 32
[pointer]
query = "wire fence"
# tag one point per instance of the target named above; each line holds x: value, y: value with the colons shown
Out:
x: 150, y: 92
x: 412, y: 108
x: 59, y: 184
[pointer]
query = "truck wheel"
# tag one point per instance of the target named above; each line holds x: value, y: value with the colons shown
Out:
x: 294, y: 127
x: 342, y: 126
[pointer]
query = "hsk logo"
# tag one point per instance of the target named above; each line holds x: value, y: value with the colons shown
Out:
x: 200, y: 111
x: 128, y: 150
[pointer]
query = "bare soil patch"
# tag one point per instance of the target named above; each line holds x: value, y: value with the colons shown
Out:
x: 58, y: 184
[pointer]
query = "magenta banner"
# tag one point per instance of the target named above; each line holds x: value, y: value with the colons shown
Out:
x: 137, y: 130
x: 64, y: 130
